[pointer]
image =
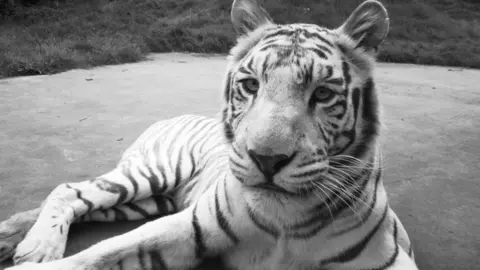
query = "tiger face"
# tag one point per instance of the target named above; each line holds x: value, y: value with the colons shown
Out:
x: 300, y: 98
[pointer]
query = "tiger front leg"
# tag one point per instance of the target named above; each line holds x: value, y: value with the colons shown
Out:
x: 47, y: 238
x: 14, y: 229
x: 178, y: 241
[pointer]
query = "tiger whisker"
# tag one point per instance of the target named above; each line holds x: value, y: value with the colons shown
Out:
x: 326, y: 204
x: 340, y: 197
x: 356, y: 160
x: 348, y: 178
x: 351, y: 196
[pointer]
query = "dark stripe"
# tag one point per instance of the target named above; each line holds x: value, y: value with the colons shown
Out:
x: 370, y: 102
x: 265, y: 66
x: 157, y: 261
x: 250, y: 65
x: 318, y: 52
x: 128, y: 175
x: 272, y: 46
x: 268, y: 42
x: 331, y: 108
x: 282, y: 32
x: 192, y: 160
x: 178, y: 168
x: 237, y: 176
x: 237, y: 164
x: 394, y: 256
x: 199, y: 139
x: 370, y: 119
x: 333, y: 125
x: 88, y: 203
x: 120, y: 265
x: 329, y: 72
x: 196, y: 130
x: 176, y: 133
x: 104, y: 212
x: 367, y: 214
x: 264, y: 227
x: 119, y: 215
x: 410, y: 251
x: 222, y: 221
x: 356, y: 102
x: 336, y: 81
x: 161, y: 204
x: 228, y: 82
x: 312, y: 161
x: 308, y: 74
x: 243, y: 69
x: 323, y: 48
x: 156, y: 186
x: 323, y: 132
x: 308, y: 173
x: 112, y: 187
x: 308, y: 34
x: 141, y: 258
x: 351, y: 253
x: 138, y: 209
x: 225, y: 192
x: 346, y: 73
x: 18, y: 258
x: 227, y: 130
x: 200, y: 247
x: 61, y: 229
x: 236, y: 151
x: 238, y: 95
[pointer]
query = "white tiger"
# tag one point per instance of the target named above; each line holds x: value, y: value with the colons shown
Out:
x: 290, y: 178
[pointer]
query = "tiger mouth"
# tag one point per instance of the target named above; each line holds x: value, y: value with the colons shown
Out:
x: 273, y: 188
x: 269, y: 186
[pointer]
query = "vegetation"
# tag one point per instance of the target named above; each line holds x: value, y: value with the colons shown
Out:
x: 55, y: 35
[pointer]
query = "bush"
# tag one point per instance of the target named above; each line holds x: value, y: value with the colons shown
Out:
x: 49, y: 36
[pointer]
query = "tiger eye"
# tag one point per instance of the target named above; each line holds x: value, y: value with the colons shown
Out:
x: 323, y: 94
x: 250, y: 85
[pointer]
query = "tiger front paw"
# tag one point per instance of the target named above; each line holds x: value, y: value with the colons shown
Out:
x: 46, y: 241
x: 13, y: 231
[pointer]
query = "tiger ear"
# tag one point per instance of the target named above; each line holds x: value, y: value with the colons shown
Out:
x: 368, y: 25
x: 248, y: 15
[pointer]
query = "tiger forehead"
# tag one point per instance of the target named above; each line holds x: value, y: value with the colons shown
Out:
x: 300, y: 32
x: 310, y: 53
x: 297, y: 46
x: 298, y: 37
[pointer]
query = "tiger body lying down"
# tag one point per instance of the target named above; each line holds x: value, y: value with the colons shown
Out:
x: 289, y: 178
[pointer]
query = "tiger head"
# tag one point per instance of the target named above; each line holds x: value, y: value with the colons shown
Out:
x: 299, y: 98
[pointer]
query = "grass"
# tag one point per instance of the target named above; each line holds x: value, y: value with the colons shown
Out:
x: 54, y: 36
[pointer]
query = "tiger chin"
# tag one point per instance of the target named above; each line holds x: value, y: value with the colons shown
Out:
x: 290, y: 177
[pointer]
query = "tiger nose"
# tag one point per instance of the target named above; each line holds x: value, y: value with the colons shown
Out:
x: 269, y: 165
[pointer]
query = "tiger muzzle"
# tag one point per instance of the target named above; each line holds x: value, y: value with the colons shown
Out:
x: 270, y: 165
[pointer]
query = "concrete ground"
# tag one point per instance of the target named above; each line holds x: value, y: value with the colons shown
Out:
x: 74, y: 125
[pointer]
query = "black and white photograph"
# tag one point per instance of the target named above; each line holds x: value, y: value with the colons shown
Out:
x: 239, y: 135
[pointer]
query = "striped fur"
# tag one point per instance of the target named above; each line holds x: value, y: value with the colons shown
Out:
x: 289, y: 178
